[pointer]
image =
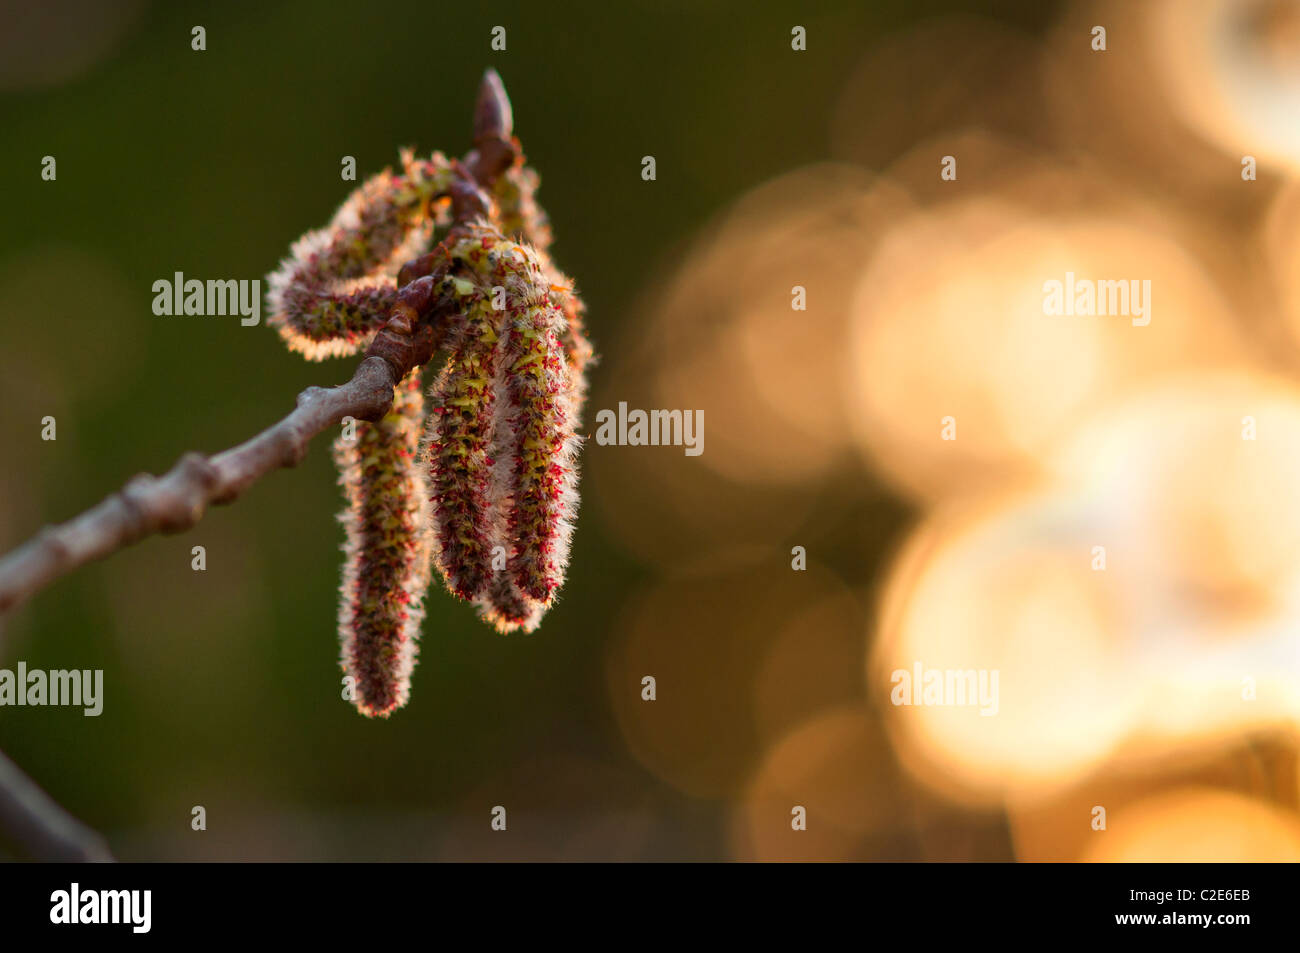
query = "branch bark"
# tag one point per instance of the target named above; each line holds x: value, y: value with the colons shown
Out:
x: 35, y: 822
x: 177, y: 500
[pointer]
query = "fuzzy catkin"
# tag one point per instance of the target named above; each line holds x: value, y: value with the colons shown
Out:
x: 540, y: 443
x: 386, y: 570
x: 506, y: 609
x: 502, y: 445
x: 457, y: 449
x: 523, y: 219
x: 519, y: 215
x: 333, y: 292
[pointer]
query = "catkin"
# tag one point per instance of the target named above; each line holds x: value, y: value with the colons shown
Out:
x: 386, y: 570
x: 333, y: 292
x: 502, y: 445
x: 457, y: 451
x: 522, y: 218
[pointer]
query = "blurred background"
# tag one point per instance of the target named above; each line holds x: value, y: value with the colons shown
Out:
x: 1164, y: 687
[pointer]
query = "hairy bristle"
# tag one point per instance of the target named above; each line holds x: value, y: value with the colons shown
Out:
x: 542, y: 449
x: 330, y: 296
x: 457, y: 449
x: 507, y: 609
x: 522, y: 218
x: 386, y: 571
x: 502, y: 447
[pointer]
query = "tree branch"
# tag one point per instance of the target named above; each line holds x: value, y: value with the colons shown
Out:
x: 36, y: 823
x: 177, y: 501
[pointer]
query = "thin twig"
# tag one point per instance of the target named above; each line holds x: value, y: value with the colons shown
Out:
x: 35, y: 822
x: 176, y: 501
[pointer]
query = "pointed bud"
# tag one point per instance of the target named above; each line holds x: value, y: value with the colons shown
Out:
x: 493, y: 117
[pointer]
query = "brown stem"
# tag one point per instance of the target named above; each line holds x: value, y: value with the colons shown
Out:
x: 177, y: 500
